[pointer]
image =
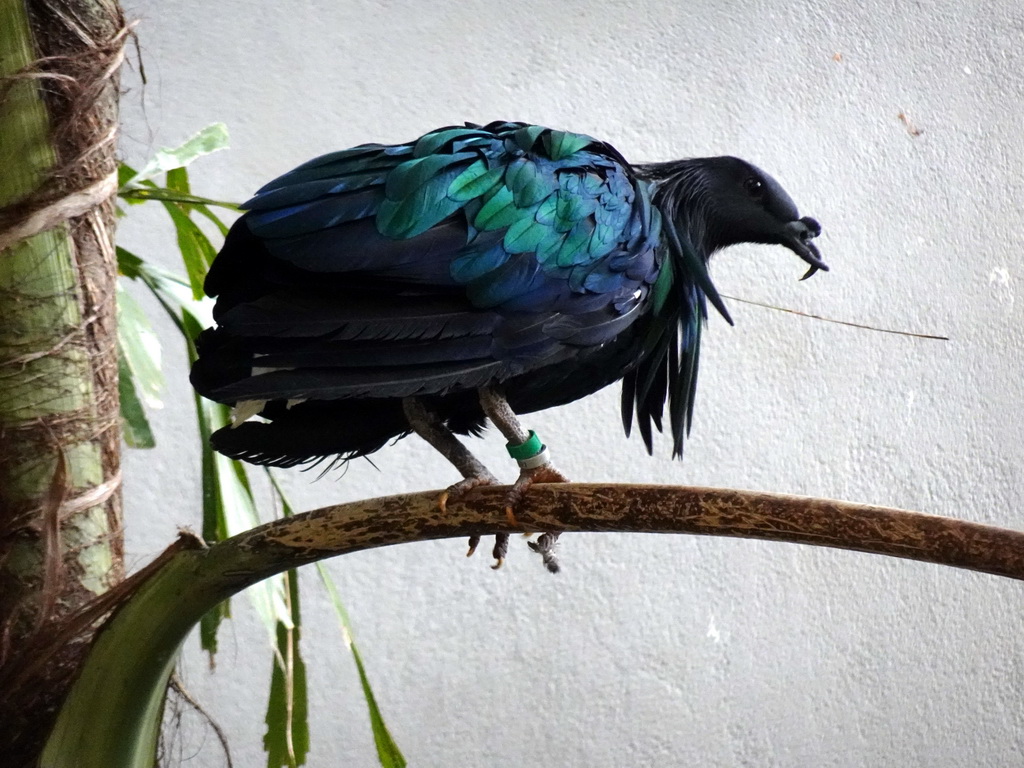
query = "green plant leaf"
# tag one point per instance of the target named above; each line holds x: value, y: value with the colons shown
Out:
x: 228, y: 504
x: 388, y: 753
x: 128, y: 264
x: 209, y: 625
x: 196, y: 249
x: 286, y: 740
x: 170, y: 290
x: 125, y: 173
x: 131, y: 195
x: 210, y: 139
x: 205, y: 211
x: 387, y: 750
x: 177, y: 179
x: 214, y: 523
x: 134, y: 424
x: 164, y: 194
x: 140, y: 348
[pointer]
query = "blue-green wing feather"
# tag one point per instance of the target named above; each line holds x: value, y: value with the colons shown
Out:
x: 526, y: 243
x: 565, y: 206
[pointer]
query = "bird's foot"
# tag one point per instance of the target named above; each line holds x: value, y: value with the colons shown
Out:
x: 499, y: 551
x: 545, y: 545
x: 460, y: 489
x: 545, y: 473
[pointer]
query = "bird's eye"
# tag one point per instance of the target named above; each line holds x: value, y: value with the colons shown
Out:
x: 754, y: 187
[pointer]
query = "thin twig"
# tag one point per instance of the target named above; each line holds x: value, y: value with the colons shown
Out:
x: 837, y: 322
x: 179, y: 688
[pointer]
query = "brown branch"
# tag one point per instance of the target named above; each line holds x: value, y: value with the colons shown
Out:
x: 191, y: 580
x: 641, y: 509
x: 219, y: 571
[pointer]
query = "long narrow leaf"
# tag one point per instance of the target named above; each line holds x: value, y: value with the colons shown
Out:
x: 286, y: 740
x: 228, y: 505
x: 209, y: 626
x: 387, y: 750
x: 134, y: 424
x: 205, y: 211
x: 214, y: 523
x: 125, y: 173
x: 141, y: 348
x: 177, y: 180
x: 388, y: 753
x: 171, y: 291
x: 209, y: 139
x: 196, y: 250
x: 163, y: 194
x: 128, y: 264
x: 228, y: 501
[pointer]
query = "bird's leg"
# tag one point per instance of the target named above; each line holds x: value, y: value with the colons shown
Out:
x: 534, y: 465
x: 427, y: 425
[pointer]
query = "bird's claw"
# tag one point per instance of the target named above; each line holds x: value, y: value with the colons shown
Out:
x: 545, y: 473
x: 545, y: 545
x: 500, y: 550
x: 460, y: 489
x: 457, y: 491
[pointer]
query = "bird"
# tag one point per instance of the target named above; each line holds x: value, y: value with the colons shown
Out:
x: 474, y: 274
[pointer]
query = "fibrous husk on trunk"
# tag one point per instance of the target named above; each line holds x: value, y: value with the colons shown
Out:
x: 60, y: 508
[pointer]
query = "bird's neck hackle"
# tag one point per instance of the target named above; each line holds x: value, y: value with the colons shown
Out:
x: 679, y: 191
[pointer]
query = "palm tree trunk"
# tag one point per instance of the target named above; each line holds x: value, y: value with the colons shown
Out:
x: 60, y: 508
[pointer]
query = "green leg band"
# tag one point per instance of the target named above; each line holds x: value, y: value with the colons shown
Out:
x: 527, y: 450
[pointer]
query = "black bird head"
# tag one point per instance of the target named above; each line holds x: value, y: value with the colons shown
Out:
x: 710, y: 203
x: 705, y: 204
x: 743, y: 204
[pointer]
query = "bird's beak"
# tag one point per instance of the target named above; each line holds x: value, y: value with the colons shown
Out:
x: 797, y: 238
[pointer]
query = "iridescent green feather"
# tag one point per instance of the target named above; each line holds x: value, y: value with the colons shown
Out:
x: 663, y: 285
x: 561, y: 144
x: 527, y: 136
x: 498, y: 212
x: 528, y: 184
x: 475, y: 181
x: 570, y: 209
x: 417, y: 212
x: 574, y: 248
x: 413, y: 174
x: 432, y: 142
x: 524, y: 235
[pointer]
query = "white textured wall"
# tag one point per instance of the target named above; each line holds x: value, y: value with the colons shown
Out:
x: 655, y: 649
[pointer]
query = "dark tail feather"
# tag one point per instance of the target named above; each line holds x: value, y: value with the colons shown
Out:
x: 310, y: 432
